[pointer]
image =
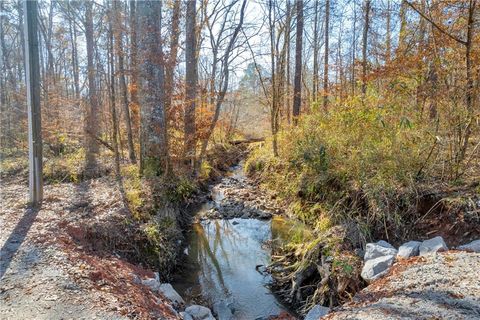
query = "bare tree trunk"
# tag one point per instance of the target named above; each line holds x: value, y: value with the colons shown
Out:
x: 354, y: 48
x: 469, y: 87
x: 123, y: 83
x: 274, y: 103
x: 137, y: 116
x: 172, y: 60
x: 403, y: 29
x: 288, y: 74
x: 190, y: 82
x: 315, y: 53
x: 364, y: 47
x: 113, y: 108
x: 325, y: 66
x: 297, y: 90
x: 91, y: 124
x: 153, y: 88
x: 388, y: 45
x: 225, y: 81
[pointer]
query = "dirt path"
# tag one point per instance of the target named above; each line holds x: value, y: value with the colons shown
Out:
x: 47, y: 273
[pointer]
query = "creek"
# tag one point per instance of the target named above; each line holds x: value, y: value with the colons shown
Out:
x: 225, y: 259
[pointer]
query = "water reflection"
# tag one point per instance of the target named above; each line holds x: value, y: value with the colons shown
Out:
x: 221, y: 266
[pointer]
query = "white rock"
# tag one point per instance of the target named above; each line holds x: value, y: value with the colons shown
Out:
x: 379, y: 249
x: 152, y: 283
x: 432, y: 246
x: 199, y: 312
x: 186, y: 316
x: 409, y: 249
x: 317, y: 312
x: 472, y: 246
x: 222, y: 310
x: 385, y: 244
x: 167, y: 290
x: 375, y: 268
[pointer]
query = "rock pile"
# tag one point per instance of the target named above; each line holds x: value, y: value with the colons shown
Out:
x: 193, y: 312
x: 380, y: 256
x: 237, y: 197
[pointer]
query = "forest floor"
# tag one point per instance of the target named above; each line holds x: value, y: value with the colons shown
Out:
x: 47, y: 269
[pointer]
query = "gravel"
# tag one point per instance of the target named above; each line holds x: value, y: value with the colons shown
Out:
x: 437, y: 286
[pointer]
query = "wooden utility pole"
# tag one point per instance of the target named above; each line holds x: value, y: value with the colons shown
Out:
x: 32, y: 69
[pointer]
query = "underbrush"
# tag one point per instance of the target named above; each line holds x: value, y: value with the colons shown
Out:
x: 354, y: 175
x: 356, y: 164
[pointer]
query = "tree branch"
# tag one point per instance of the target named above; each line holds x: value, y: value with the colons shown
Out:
x: 436, y: 25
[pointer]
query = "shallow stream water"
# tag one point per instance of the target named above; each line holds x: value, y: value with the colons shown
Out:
x: 224, y: 264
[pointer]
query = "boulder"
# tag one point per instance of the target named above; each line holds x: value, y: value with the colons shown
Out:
x: 152, y: 283
x: 376, y: 268
x: 167, y: 290
x: 199, y: 312
x: 379, y: 249
x: 473, y: 246
x: 409, y: 249
x: 185, y: 316
x: 432, y: 246
x: 222, y: 310
x: 317, y: 312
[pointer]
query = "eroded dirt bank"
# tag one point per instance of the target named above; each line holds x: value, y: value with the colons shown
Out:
x: 51, y: 269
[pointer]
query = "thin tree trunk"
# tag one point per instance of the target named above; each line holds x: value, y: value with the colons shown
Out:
x: 364, y: 47
x: 123, y: 83
x: 225, y: 84
x: 172, y: 60
x: 274, y: 106
x: 138, y: 118
x: 91, y: 125
x: 388, y: 40
x: 325, y: 65
x: 469, y: 86
x: 113, y: 108
x: 190, y: 82
x: 297, y: 94
x: 315, y: 53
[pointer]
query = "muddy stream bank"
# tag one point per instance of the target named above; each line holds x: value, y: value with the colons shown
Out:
x: 227, y: 249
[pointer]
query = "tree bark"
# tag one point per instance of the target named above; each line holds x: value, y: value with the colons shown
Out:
x: 113, y: 108
x: 325, y: 66
x: 152, y: 88
x: 364, y: 47
x: 315, y: 53
x: 190, y: 82
x: 297, y: 91
x: 91, y: 123
x: 123, y: 82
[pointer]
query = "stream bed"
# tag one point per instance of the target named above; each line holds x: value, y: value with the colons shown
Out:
x: 225, y: 259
